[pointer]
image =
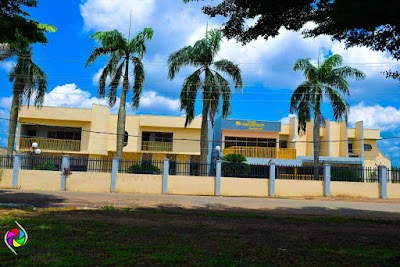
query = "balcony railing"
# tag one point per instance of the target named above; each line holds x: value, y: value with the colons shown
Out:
x: 262, y: 152
x: 51, y: 144
x: 156, y: 146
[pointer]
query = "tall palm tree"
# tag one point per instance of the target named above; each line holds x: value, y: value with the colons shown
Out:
x: 27, y: 77
x: 122, y: 52
x: 327, y: 79
x: 212, y: 84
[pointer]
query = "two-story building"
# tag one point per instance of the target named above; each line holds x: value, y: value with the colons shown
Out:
x: 91, y: 133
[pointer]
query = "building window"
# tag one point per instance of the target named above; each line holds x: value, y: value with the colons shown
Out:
x: 350, y: 148
x: 283, y: 144
x: 231, y: 141
x: 31, y: 133
x: 157, y: 136
x: 62, y: 135
x: 367, y: 147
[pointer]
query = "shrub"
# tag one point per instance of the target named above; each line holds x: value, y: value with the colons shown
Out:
x: 346, y: 175
x: 234, y: 158
x: 230, y: 169
x: 46, y: 166
x: 144, y: 168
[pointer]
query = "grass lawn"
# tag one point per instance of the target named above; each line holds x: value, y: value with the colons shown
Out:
x: 172, y: 236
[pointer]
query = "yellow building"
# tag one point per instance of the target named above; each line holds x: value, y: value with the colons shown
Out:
x: 91, y: 133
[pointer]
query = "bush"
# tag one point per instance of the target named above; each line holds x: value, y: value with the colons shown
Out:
x: 230, y: 169
x: 46, y: 166
x: 234, y: 158
x: 346, y: 175
x: 144, y: 168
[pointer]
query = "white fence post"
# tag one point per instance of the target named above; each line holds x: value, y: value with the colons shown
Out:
x: 271, y: 191
x: 65, y: 165
x: 327, y: 180
x: 16, y: 168
x: 382, y: 174
x: 165, y: 176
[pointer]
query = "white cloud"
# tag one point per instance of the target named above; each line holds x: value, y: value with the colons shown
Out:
x: 153, y: 102
x: 115, y: 14
x: 378, y: 117
x: 286, y: 120
x: 96, y: 77
x: 7, y: 65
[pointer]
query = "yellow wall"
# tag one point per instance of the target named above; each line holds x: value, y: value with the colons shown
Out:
x: 393, y: 190
x: 139, y: 184
x: 375, y: 156
x: 343, y: 150
x: 372, y: 134
x: 88, y: 182
x: 325, y: 135
x: 191, y: 185
x: 244, y: 187
x: 358, y: 143
x: 309, y: 144
x: 351, y: 189
x: 335, y: 136
x: 39, y: 180
x: 6, y: 179
x: 286, y: 188
x: 98, y: 143
x: 56, y: 113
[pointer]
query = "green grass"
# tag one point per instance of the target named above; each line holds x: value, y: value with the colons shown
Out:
x: 170, y: 237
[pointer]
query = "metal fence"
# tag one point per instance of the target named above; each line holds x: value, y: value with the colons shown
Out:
x: 191, y: 168
x: 6, y: 162
x: 41, y: 163
x: 90, y: 165
x: 244, y: 170
x: 298, y: 173
x: 141, y: 167
x: 393, y: 175
x: 354, y: 174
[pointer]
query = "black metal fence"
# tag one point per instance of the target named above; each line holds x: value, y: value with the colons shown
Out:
x: 298, y: 173
x: 90, y: 165
x: 6, y: 162
x: 191, y: 168
x: 141, y: 167
x: 354, y: 174
x: 393, y: 175
x: 41, y: 163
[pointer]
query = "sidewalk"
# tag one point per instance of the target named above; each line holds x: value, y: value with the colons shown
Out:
x: 318, y: 206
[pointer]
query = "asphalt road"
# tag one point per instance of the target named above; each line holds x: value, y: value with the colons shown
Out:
x: 317, y: 206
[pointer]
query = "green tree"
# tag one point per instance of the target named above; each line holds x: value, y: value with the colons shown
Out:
x: 212, y: 84
x: 28, y: 79
x: 327, y: 79
x: 354, y: 22
x: 121, y: 52
x: 16, y: 25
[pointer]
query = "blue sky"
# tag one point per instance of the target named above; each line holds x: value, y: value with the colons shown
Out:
x: 266, y: 65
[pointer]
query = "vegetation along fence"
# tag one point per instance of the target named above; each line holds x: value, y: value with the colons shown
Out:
x: 141, y: 167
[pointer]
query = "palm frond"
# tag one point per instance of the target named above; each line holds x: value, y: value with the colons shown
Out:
x: 340, y: 106
x: 232, y: 70
x: 211, y: 94
x: 214, y: 40
x: 96, y: 53
x: 138, y: 72
x: 111, y: 40
x: 47, y: 27
x: 116, y: 79
x: 226, y: 94
x: 332, y: 62
x: 309, y: 70
x: 179, y: 59
x: 138, y: 43
x: 348, y: 72
x: 188, y: 95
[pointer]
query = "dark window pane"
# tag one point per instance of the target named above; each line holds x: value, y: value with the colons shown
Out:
x: 52, y: 135
x: 60, y: 135
x: 31, y: 133
x: 69, y: 135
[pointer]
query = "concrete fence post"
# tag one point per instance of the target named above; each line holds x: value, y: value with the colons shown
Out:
x: 165, y: 176
x: 114, y: 174
x: 271, y: 190
x: 218, y: 177
x: 382, y: 174
x: 16, y: 168
x: 327, y: 180
x: 65, y: 164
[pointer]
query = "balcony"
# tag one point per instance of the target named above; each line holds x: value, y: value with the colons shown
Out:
x: 156, y: 146
x: 51, y: 144
x: 262, y: 152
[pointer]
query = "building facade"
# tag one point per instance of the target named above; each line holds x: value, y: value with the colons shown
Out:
x: 91, y: 133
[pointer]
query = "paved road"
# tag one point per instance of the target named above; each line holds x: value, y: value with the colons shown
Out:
x: 345, y: 207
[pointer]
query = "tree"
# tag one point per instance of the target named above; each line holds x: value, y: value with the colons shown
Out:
x: 121, y: 52
x: 355, y: 22
x: 214, y: 85
x: 15, y: 25
x: 328, y: 79
x: 27, y: 77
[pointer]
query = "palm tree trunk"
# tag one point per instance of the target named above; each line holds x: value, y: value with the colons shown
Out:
x: 316, y: 139
x: 122, y: 112
x: 12, y: 126
x: 204, y: 132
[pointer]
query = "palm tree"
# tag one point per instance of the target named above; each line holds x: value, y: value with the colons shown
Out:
x: 122, y: 52
x: 213, y: 86
x: 27, y: 77
x: 327, y: 79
